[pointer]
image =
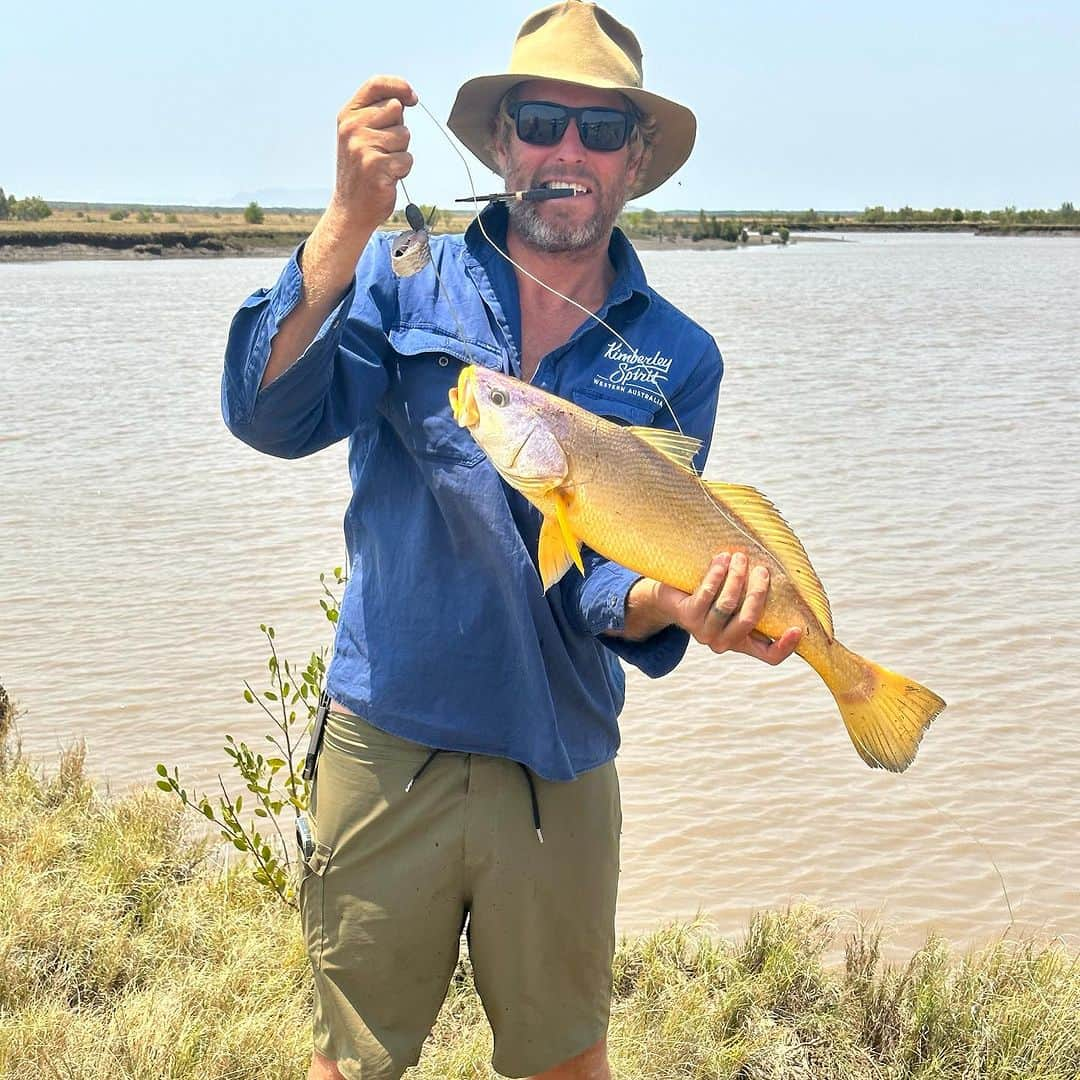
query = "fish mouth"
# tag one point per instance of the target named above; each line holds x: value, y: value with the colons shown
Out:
x: 463, y: 399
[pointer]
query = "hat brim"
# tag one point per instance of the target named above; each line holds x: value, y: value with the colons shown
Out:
x: 471, y: 120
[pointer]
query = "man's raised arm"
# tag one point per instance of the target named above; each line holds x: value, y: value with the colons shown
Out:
x: 372, y: 156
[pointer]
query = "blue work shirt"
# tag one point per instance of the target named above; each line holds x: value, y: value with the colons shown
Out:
x: 446, y: 636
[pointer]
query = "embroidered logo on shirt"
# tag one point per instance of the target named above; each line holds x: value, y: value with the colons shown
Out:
x: 634, y: 373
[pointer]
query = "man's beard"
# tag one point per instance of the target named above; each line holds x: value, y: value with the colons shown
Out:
x: 555, y: 236
x: 559, y: 236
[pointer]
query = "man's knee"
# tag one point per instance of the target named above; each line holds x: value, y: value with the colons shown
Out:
x: 591, y: 1064
x: 323, y: 1068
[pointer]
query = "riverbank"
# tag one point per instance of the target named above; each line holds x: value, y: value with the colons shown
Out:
x: 128, y: 950
x: 89, y: 231
x: 27, y: 245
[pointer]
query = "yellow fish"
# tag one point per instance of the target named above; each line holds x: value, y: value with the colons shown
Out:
x: 632, y: 495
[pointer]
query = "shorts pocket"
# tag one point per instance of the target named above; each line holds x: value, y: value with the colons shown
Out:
x: 312, y: 897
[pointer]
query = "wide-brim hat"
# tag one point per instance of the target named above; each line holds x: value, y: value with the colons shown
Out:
x: 580, y: 44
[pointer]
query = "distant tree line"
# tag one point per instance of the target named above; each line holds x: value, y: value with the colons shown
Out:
x: 32, y: 208
x: 1065, y: 215
x: 735, y: 226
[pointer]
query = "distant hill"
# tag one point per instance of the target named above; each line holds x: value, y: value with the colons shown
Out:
x: 280, y: 198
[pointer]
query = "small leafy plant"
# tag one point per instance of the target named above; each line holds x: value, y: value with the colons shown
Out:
x: 273, y: 779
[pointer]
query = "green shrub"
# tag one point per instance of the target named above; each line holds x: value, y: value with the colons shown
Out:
x: 253, y: 213
x: 32, y: 208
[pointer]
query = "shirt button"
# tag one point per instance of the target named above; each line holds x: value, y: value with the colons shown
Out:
x: 443, y: 361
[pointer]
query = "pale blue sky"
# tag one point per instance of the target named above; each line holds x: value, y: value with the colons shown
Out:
x: 831, y: 105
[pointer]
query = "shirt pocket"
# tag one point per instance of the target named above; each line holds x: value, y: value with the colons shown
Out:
x: 428, y: 365
x: 623, y: 410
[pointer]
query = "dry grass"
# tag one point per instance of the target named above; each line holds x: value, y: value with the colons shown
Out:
x: 97, y: 221
x: 224, y: 221
x: 126, y: 951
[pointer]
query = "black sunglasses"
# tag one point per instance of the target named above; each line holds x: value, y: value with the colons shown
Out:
x: 544, y: 123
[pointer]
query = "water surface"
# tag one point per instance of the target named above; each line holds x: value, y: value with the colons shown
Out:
x: 908, y: 402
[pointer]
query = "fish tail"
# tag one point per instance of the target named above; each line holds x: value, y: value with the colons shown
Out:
x: 885, y: 713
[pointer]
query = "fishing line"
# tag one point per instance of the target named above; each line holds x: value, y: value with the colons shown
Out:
x: 543, y: 284
x: 438, y: 277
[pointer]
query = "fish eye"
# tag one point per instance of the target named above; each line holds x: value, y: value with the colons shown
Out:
x: 499, y: 397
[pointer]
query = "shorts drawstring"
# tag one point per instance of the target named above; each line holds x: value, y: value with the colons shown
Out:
x: 416, y: 775
x: 535, y: 802
x: 528, y: 779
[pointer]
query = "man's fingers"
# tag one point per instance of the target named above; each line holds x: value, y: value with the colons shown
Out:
x: 747, y: 613
x: 390, y: 140
x: 379, y: 88
x: 730, y: 597
x: 385, y: 114
x: 701, y: 599
x: 772, y: 652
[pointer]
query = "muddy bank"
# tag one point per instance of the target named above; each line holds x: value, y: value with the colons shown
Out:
x: 36, y: 247
x: 27, y: 244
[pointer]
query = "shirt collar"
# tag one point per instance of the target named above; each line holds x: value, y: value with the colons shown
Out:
x: 629, y: 275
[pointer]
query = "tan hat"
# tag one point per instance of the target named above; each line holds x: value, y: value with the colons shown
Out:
x: 578, y: 43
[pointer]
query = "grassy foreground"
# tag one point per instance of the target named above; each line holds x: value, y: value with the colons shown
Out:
x: 127, y: 951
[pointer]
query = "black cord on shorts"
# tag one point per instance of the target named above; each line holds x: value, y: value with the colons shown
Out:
x: 528, y: 779
x: 416, y: 775
x: 535, y: 802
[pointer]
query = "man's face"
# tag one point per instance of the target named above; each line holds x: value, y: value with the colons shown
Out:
x: 583, y: 221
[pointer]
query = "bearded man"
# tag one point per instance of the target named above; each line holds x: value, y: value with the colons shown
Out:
x: 466, y: 778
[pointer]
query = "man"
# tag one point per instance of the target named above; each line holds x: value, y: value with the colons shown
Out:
x: 467, y: 773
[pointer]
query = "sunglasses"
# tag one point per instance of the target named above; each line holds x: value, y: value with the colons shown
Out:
x: 544, y: 123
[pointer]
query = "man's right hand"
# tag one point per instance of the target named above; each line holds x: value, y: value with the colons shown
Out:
x: 372, y: 156
x: 372, y: 152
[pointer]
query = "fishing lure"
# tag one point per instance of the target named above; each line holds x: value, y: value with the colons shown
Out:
x: 411, y: 252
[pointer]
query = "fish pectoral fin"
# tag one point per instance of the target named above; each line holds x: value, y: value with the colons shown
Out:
x: 559, y: 549
x: 573, y: 544
x: 679, y: 449
x: 552, y: 557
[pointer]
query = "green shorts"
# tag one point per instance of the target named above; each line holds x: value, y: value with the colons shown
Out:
x: 385, y: 897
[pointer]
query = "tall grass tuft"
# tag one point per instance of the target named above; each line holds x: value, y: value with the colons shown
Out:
x: 131, y: 951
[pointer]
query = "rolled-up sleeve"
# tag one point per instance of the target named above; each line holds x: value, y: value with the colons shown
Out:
x: 336, y: 383
x: 598, y: 598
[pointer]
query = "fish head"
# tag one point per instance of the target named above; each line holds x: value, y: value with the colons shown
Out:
x: 515, y: 424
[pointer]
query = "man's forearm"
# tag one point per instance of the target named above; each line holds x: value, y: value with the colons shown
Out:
x: 328, y: 264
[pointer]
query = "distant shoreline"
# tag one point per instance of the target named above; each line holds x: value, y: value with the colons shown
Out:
x: 32, y: 245
x: 52, y: 244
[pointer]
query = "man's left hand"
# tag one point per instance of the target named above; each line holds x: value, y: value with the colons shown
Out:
x: 721, y: 613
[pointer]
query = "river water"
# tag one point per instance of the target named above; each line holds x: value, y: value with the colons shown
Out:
x: 908, y: 402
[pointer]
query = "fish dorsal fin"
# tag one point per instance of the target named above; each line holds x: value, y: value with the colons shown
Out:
x: 680, y: 449
x: 763, y: 520
x: 559, y: 549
